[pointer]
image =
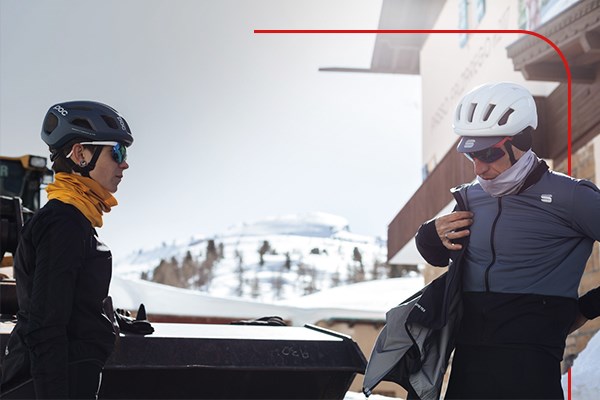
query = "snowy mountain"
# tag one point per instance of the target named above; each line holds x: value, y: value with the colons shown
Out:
x: 272, y: 259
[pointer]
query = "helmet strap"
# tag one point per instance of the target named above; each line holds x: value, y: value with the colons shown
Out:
x: 511, y: 155
x: 85, y: 169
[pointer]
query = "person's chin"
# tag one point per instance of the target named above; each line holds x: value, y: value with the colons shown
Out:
x: 112, y: 189
x: 116, y: 185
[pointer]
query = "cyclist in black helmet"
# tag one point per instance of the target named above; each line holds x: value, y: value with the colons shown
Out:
x: 62, y: 337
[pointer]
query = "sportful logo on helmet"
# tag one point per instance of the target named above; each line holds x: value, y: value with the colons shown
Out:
x: 120, y: 119
x: 61, y: 110
x: 469, y: 143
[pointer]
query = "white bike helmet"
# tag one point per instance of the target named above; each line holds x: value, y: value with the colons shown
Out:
x: 491, y: 112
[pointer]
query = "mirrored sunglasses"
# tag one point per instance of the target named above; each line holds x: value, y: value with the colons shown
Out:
x: 489, y: 155
x: 118, y: 150
x: 119, y: 153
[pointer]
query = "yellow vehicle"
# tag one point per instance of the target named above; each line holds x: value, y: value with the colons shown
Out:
x: 20, y: 182
x: 22, y: 177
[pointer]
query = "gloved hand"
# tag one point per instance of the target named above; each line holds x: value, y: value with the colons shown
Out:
x: 267, y: 321
x: 139, y: 325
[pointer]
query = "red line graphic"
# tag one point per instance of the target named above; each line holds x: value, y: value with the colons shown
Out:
x: 569, y: 382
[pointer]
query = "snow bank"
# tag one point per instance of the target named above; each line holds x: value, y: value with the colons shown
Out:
x: 366, y: 300
x: 585, y: 374
x: 379, y: 295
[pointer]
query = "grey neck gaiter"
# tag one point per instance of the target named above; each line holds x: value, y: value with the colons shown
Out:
x: 511, y: 180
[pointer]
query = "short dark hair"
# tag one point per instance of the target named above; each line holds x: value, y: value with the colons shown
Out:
x: 59, y: 156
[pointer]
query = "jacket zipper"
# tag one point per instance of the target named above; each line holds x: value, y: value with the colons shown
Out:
x: 492, y: 234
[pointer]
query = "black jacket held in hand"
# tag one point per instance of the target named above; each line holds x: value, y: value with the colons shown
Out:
x: 414, y: 347
x: 63, y: 273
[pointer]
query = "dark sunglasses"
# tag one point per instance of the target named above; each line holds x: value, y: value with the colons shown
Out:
x: 118, y: 151
x: 490, y: 154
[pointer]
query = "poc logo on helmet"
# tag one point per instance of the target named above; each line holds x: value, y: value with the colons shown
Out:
x: 122, y: 123
x: 61, y: 110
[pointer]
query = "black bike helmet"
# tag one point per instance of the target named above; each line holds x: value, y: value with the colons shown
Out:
x: 87, y: 120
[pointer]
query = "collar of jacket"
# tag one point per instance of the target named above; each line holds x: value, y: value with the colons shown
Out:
x: 535, y: 175
x: 538, y: 171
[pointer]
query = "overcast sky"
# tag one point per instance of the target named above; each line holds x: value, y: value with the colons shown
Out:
x: 229, y: 126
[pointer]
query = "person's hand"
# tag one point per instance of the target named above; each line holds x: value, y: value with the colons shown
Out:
x: 579, y: 321
x: 447, y: 227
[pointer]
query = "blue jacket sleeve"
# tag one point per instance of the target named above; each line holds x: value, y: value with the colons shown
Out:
x: 586, y: 209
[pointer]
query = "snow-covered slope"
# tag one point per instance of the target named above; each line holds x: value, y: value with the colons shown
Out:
x: 304, y: 254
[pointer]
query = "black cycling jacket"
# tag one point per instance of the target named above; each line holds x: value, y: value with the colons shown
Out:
x: 63, y: 274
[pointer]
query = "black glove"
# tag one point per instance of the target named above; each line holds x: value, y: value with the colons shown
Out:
x: 267, y: 321
x: 139, y: 325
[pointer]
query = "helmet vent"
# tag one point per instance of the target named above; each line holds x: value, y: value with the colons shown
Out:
x: 504, y: 118
x: 471, y: 112
x: 489, y: 110
x: 50, y: 123
x: 458, y: 109
x: 126, y: 126
x: 110, y: 121
x: 83, y: 123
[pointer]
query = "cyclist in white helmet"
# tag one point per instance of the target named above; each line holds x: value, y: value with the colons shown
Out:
x: 520, y: 250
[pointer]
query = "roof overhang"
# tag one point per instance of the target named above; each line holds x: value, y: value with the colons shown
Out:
x: 399, y: 53
x: 576, y: 31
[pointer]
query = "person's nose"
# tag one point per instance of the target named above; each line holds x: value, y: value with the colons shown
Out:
x: 480, y: 167
x: 124, y: 165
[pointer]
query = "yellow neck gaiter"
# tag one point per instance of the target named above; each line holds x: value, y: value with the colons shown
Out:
x: 87, y: 195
